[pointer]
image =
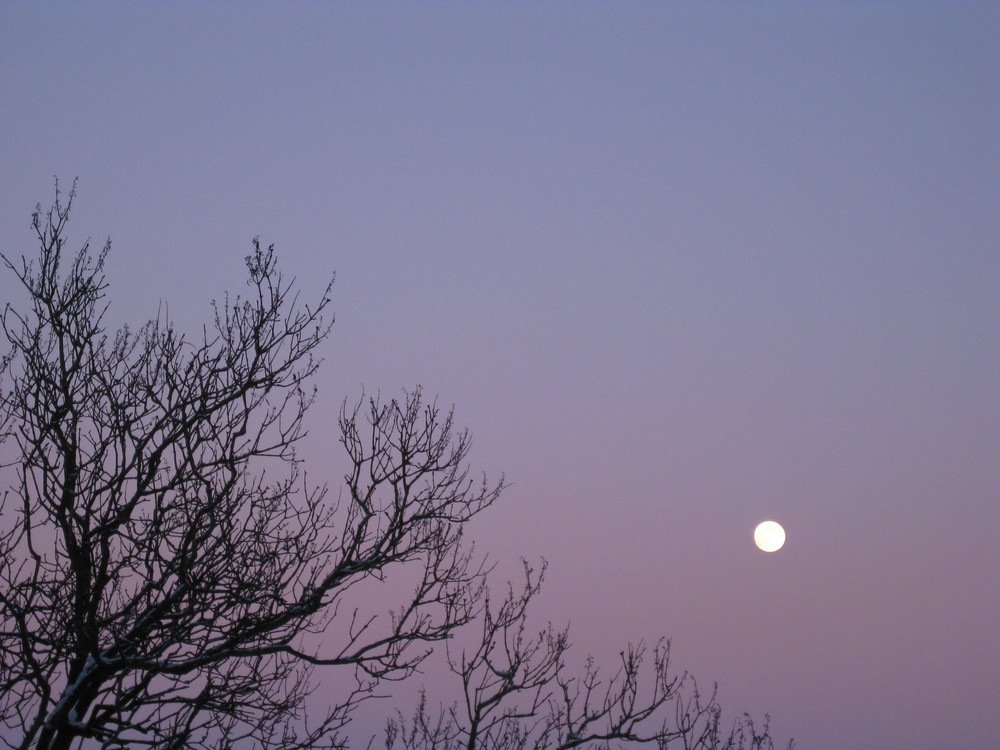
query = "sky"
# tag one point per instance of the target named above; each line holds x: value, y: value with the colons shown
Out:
x: 681, y: 267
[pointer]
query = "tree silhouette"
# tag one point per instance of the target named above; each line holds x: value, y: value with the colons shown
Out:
x: 165, y: 567
x: 162, y: 560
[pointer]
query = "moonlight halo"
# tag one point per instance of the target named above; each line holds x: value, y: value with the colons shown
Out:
x: 769, y: 536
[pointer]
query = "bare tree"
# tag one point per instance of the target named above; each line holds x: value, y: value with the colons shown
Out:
x: 164, y: 565
x: 517, y: 693
x: 166, y: 571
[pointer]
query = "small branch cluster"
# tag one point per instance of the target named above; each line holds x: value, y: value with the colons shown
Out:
x: 517, y: 693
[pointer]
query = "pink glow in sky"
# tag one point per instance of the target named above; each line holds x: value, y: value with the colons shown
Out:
x: 681, y: 267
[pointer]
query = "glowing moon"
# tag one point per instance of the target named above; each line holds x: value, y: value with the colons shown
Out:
x: 769, y: 536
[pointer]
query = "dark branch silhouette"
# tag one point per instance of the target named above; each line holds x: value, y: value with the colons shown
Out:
x: 517, y: 693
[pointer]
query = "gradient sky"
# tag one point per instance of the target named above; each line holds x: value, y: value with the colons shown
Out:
x: 680, y: 267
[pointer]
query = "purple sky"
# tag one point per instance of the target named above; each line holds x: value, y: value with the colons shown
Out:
x: 681, y: 268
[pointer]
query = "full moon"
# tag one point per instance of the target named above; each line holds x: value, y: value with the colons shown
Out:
x: 769, y: 536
